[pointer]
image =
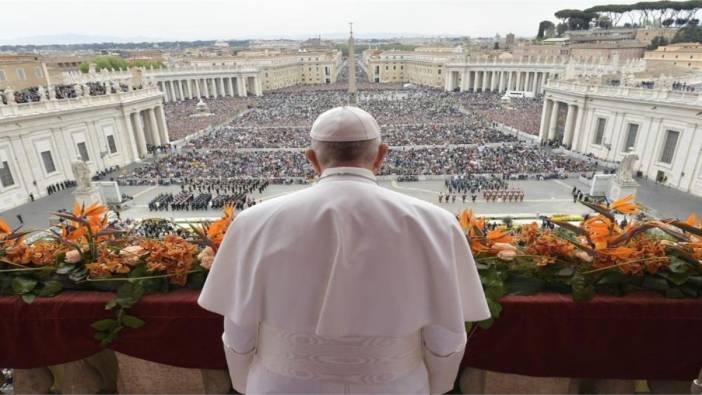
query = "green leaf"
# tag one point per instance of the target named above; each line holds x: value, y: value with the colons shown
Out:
x: 486, y: 324
x: 655, y: 283
x: 50, y: 288
x: 678, y: 265
x: 613, y: 278
x: 495, y: 308
x: 196, y: 280
x: 28, y: 298
x: 23, y: 285
x: 131, y: 321
x: 111, y: 304
x: 64, y: 269
x: 581, y: 289
x: 78, y: 274
x: 105, y: 325
x: 522, y: 285
x: 674, y: 293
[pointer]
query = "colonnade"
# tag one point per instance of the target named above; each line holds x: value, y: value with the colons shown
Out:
x: 549, y: 122
x: 498, y: 80
x: 185, y: 88
x: 147, y: 127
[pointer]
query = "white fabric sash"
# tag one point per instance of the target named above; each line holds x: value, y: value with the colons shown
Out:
x: 347, y: 359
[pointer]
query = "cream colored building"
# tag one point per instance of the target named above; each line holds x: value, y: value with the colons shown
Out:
x: 662, y: 126
x: 683, y: 55
x: 279, y: 68
x: 416, y: 67
x: 21, y: 71
x: 39, y: 140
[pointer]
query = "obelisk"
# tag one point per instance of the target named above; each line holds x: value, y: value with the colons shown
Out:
x: 351, y: 64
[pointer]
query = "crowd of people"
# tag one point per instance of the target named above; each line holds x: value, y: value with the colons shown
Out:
x: 183, y: 119
x: 520, y: 113
x: 509, y: 161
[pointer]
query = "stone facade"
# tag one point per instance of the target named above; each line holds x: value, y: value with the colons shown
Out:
x: 21, y: 72
x: 682, y: 55
x: 661, y: 126
x: 39, y: 140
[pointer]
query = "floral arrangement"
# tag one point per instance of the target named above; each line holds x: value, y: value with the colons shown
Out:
x: 88, y: 253
x: 599, y: 255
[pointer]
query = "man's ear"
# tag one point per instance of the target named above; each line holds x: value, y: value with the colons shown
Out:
x: 383, y: 150
x: 314, y: 162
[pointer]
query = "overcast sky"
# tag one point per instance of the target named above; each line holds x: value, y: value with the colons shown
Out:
x: 239, y: 19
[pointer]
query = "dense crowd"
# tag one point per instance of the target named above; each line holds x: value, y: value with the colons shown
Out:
x: 520, y: 113
x: 182, y: 122
x: 472, y: 130
x: 512, y: 161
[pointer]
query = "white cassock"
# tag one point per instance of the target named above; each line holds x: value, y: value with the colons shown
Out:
x: 344, y: 287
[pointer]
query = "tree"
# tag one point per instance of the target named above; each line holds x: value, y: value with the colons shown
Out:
x: 576, y: 19
x: 116, y: 63
x: 497, y: 45
x: 688, y: 34
x: 657, y: 42
x: 561, y: 28
x: 544, y: 28
x: 604, y: 22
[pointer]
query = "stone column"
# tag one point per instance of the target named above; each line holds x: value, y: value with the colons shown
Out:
x: 230, y: 85
x: 166, y: 98
x: 545, y: 119
x: 222, y: 91
x: 214, y: 87
x: 241, y: 86
x: 207, y: 88
x: 577, y: 132
x: 485, y: 81
x: 177, y: 88
x: 139, y: 133
x: 130, y: 135
x: 162, y: 125
x: 493, y: 77
x: 153, y: 127
x: 536, y: 83
x: 570, y: 121
x: 258, y: 88
x: 553, y: 123
x: 189, y: 87
x: 519, y: 81
x: 509, y: 81
x: 197, y: 88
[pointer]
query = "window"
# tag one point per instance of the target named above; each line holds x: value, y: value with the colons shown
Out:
x: 671, y: 141
x: 630, y: 137
x: 48, y: 160
x: 111, y: 144
x: 38, y: 73
x: 21, y: 74
x: 2, y: 75
x: 83, y: 152
x: 599, y: 132
x: 6, y: 179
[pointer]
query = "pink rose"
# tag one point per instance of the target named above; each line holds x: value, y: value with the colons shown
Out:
x: 73, y: 256
x: 132, y: 254
x: 206, y: 257
x: 507, y: 255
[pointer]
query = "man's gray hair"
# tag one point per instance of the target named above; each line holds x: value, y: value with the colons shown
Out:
x: 347, y: 152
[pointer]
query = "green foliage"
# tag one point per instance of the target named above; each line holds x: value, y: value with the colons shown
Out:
x: 688, y: 34
x: 657, y: 42
x: 128, y: 294
x: 117, y: 63
x: 545, y: 27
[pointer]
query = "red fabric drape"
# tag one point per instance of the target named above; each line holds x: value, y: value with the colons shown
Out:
x: 630, y: 337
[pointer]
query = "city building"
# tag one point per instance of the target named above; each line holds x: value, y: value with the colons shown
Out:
x: 38, y: 140
x: 21, y: 71
x: 662, y: 126
x: 680, y: 55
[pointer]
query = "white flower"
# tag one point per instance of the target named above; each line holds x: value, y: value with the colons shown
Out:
x: 73, y: 256
x: 206, y: 257
x: 132, y: 254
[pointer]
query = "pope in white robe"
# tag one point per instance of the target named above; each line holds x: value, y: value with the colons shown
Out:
x: 345, y: 286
